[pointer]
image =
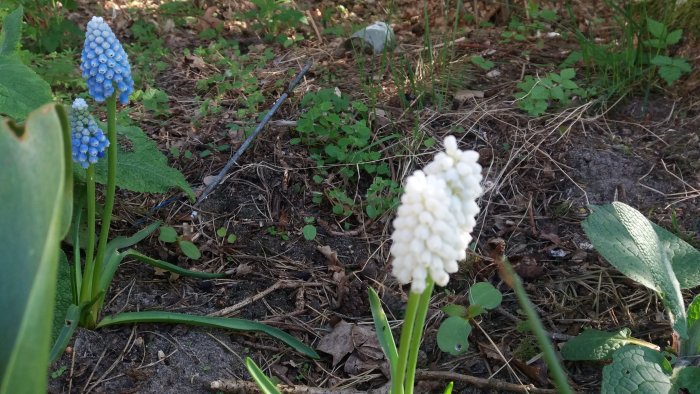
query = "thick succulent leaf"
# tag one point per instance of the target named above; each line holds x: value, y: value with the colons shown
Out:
x: 264, y: 383
x: 685, y: 259
x: 33, y: 182
x: 11, y: 30
x: 208, y: 321
x: 141, y: 167
x: 599, y: 345
x: 628, y: 241
x: 635, y: 369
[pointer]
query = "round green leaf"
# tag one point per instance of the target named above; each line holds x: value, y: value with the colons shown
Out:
x: 167, y: 234
x: 231, y: 238
x: 453, y: 335
x: 190, y: 250
x: 221, y: 232
x: 485, y: 294
x: 309, y: 232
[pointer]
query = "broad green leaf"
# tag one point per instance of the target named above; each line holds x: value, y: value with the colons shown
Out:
x: 167, y: 234
x: 381, y: 325
x: 635, y: 369
x: 141, y: 167
x: 691, y: 346
x: 628, y: 241
x: 189, y: 249
x: 656, y: 28
x: 208, y: 321
x: 34, y: 186
x: 673, y: 37
x: 599, y: 345
x: 453, y: 335
x: 484, y: 294
x: 567, y: 73
x: 11, y: 31
x: 687, y: 378
x: 264, y: 383
x: 69, y: 323
x: 21, y: 89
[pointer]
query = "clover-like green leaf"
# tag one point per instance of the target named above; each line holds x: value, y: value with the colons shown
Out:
x: 453, y: 335
x: 485, y: 295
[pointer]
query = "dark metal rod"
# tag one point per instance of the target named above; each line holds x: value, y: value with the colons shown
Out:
x: 251, y: 137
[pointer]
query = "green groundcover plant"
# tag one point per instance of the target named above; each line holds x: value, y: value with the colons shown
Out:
x: 659, y: 260
x: 41, y: 205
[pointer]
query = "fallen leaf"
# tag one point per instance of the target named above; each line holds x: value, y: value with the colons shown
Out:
x: 330, y: 255
x: 527, y: 267
x: 338, y: 343
x: 535, y: 371
x: 244, y: 269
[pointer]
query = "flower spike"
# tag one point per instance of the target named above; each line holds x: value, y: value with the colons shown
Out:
x: 433, y: 225
x: 88, y: 141
x: 105, y: 64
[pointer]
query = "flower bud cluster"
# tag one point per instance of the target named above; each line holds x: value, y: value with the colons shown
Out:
x: 105, y: 64
x: 433, y: 225
x: 88, y: 141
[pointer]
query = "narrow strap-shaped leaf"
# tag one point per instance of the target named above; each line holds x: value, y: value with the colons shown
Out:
x: 112, y: 257
x: 11, y: 31
x: 208, y: 321
x: 381, y: 325
x: 171, y: 267
x: 264, y: 383
x: 66, y: 333
x: 448, y: 389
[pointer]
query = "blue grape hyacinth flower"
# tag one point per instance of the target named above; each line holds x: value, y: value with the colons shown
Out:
x: 105, y: 64
x: 88, y: 141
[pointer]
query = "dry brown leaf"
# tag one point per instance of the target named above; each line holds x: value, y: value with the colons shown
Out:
x: 338, y: 343
x: 463, y: 95
x: 330, y: 255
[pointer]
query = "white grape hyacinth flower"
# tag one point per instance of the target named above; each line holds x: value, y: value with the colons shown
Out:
x: 433, y: 225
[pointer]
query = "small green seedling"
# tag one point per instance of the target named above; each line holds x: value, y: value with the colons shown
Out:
x: 537, y: 94
x: 309, y: 230
x: 222, y: 233
x: 453, y: 334
x: 481, y: 62
x: 274, y: 231
x: 169, y: 235
x: 659, y: 260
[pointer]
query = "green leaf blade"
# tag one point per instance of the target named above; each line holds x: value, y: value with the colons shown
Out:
x: 485, y: 295
x: 21, y: 89
x: 264, y: 383
x: 453, y: 335
x: 208, y: 321
x: 597, y: 345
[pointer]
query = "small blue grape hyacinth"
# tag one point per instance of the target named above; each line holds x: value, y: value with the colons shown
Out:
x: 89, y: 142
x: 105, y: 64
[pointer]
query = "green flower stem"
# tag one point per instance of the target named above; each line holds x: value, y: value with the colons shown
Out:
x: 86, y: 285
x: 397, y: 381
x: 557, y: 372
x: 109, y: 197
x: 418, y: 326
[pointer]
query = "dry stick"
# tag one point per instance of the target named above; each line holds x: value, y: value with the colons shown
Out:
x: 482, y: 383
x: 246, y: 387
x: 282, y: 284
